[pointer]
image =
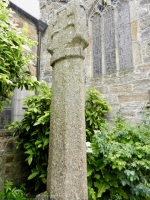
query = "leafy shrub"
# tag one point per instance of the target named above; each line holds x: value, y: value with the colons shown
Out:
x: 119, y: 166
x: 96, y: 109
x: 14, y: 56
x: 33, y: 130
x: 12, y: 193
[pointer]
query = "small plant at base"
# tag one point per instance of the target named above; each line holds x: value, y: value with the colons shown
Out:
x: 12, y: 193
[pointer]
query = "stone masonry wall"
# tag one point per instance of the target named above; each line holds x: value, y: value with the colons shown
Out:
x: 12, y: 162
x: 22, y: 22
x: 126, y: 89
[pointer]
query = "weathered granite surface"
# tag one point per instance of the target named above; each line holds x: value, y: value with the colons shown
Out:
x: 42, y: 196
x: 67, y: 150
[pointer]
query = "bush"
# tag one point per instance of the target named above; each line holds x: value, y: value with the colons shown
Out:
x: 96, y: 109
x: 119, y: 166
x: 33, y: 130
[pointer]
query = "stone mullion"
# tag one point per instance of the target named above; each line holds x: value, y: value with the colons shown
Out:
x: 90, y: 48
x: 116, y: 39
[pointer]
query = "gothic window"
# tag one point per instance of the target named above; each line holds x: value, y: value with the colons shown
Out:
x: 102, y: 6
x: 111, y: 36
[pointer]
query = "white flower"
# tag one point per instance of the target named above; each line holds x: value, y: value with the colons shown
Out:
x: 97, y: 131
x: 88, y: 149
x: 88, y: 144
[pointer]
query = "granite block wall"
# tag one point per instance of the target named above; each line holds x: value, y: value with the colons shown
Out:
x: 12, y: 161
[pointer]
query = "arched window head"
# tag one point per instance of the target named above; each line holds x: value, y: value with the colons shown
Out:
x: 105, y: 3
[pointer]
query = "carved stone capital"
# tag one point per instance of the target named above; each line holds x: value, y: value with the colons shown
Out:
x: 68, y: 32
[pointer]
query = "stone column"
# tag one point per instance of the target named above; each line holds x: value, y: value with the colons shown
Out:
x: 68, y: 38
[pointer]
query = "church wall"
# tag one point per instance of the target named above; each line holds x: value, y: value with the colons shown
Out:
x: 126, y: 89
x: 126, y: 81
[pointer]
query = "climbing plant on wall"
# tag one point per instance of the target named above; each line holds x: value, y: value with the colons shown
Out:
x: 14, y: 56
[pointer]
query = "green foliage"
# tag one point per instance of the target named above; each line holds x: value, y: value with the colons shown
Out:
x: 12, y: 193
x: 96, y: 108
x: 119, y: 166
x: 33, y: 132
x: 15, y: 56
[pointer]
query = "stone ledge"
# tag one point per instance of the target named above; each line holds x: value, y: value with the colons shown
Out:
x: 4, y: 133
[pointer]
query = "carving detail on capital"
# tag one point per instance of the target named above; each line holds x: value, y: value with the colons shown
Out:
x: 68, y: 32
